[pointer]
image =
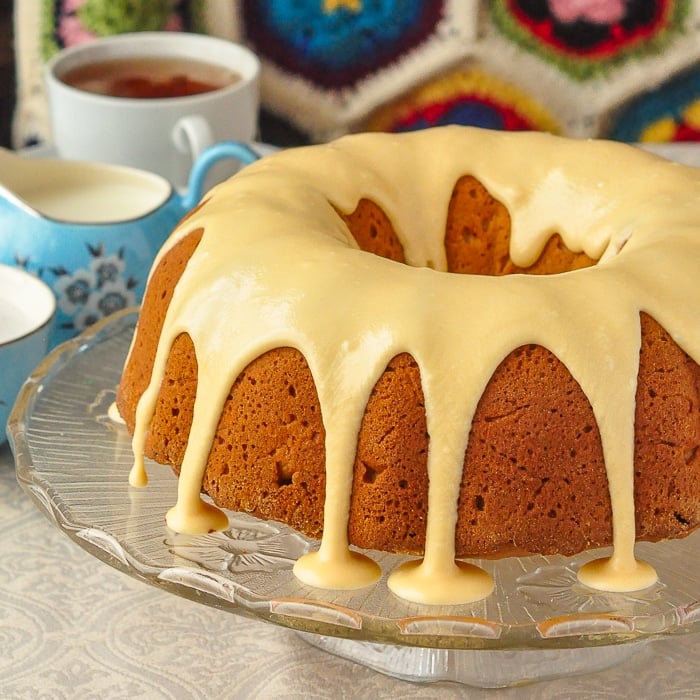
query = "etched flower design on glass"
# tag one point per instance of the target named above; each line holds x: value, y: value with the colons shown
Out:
x: 246, y: 545
x: 559, y: 586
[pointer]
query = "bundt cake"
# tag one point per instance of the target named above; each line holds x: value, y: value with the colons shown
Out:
x: 451, y: 343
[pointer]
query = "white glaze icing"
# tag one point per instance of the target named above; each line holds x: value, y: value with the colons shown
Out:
x: 275, y: 258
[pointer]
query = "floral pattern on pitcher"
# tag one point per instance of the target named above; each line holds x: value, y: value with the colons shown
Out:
x: 88, y: 294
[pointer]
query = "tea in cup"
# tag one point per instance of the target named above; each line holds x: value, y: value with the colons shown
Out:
x: 152, y: 100
x: 150, y: 77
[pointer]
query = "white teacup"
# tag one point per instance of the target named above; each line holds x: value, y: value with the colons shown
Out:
x: 162, y: 134
x: 27, y: 308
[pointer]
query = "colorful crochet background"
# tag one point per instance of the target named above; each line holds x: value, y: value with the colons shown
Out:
x: 622, y: 69
x: 577, y: 67
x: 589, y: 38
x: 69, y: 22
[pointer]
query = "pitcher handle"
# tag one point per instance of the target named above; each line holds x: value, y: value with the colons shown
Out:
x: 225, y: 149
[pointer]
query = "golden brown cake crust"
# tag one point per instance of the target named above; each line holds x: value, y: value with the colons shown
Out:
x: 534, y: 476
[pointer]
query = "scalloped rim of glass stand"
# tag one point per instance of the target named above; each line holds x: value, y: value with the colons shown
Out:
x: 579, y: 618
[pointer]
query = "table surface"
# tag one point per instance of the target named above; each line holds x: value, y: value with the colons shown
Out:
x: 73, y: 627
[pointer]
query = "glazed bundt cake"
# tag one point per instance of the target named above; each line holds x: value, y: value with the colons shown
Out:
x: 450, y: 343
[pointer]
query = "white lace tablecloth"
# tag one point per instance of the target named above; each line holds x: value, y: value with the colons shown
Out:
x: 73, y: 627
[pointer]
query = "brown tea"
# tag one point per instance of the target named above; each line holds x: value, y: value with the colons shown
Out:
x: 149, y: 78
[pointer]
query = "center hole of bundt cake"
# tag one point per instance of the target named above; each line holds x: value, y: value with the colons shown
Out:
x: 477, y: 236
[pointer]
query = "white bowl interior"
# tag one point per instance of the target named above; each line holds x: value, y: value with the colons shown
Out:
x: 26, y: 304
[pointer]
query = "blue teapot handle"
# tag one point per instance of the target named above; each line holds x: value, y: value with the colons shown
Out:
x: 225, y: 149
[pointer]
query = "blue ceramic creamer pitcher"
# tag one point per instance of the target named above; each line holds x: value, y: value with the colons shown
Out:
x: 91, y: 231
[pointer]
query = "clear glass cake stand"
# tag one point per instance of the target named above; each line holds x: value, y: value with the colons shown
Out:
x: 73, y: 460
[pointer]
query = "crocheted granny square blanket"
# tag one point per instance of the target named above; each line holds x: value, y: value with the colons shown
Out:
x: 624, y: 69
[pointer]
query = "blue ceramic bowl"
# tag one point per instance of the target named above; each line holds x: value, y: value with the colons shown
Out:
x: 27, y: 312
